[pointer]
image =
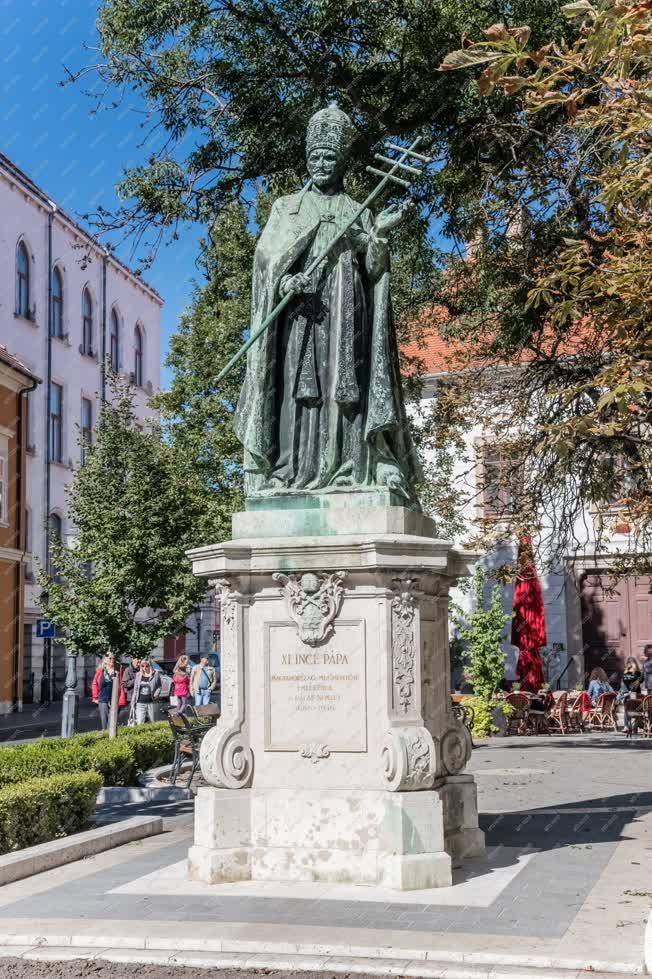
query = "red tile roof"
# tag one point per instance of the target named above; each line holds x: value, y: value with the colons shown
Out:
x: 17, y: 365
x: 432, y: 353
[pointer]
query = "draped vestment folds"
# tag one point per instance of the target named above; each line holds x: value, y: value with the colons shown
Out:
x: 321, y: 405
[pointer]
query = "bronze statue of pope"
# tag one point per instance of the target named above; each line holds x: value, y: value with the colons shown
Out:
x: 321, y: 408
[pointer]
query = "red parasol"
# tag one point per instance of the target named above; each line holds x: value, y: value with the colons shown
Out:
x: 529, y: 622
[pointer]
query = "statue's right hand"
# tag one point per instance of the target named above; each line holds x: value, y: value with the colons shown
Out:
x: 295, y: 284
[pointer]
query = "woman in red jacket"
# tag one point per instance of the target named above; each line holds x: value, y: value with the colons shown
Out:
x: 102, y: 688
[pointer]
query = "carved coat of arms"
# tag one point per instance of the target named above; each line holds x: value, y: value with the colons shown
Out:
x: 313, y: 601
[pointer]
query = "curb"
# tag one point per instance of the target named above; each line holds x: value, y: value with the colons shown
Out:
x: 45, y: 856
x: 306, y: 956
x: 114, y: 795
x: 414, y: 968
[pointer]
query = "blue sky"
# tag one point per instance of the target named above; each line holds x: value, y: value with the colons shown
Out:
x: 50, y: 132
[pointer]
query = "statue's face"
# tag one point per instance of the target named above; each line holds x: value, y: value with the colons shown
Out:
x: 325, y: 167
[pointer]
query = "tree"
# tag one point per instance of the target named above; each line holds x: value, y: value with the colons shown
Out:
x: 125, y: 582
x: 483, y: 631
x: 197, y: 415
x: 577, y: 409
x: 242, y: 78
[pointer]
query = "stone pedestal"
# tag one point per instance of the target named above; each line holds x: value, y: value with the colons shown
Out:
x: 337, y: 756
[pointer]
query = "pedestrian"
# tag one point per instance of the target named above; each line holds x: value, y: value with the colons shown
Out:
x: 130, y: 677
x: 181, y: 683
x: 598, y: 684
x: 630, y: 687
x: 647, y: 667
x: 102, y: 689
x: 203, y: 680
x: 147, y: 690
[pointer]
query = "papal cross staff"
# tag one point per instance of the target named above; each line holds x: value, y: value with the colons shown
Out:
x: 387, y: 177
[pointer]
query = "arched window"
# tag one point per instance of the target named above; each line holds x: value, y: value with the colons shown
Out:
x: 57, y: 303
x: 138, y: 356
x: 22, y: 280
x: 87, y: 323
x: 55, y: 536
x: 114, y: 342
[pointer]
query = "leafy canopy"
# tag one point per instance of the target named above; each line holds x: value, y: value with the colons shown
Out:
x: 124, y: 583
x: 230, y: 84
x: 575, y: 418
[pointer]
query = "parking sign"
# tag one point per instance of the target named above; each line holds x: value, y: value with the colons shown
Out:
x: 45, y: 629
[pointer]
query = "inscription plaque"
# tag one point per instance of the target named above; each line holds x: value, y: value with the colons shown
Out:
x: 315, y: 694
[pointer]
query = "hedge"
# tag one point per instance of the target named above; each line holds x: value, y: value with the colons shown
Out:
x: 43, y: 809
x: 117, y: 761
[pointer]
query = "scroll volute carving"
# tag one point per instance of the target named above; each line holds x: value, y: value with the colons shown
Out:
x: 225, y: 756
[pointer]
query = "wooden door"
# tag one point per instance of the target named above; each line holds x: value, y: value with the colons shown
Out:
x: 640, y: 615
x: 616, y: 622
x: 605, y: 624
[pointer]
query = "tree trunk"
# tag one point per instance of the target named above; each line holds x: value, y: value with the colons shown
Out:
x: 115, y: 704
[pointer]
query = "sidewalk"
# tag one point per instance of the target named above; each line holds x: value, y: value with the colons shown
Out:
x: 565, y: 887
x: 35, y: 721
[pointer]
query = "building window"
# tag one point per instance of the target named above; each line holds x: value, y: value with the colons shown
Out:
x: 56, y: 423
x: 4, y: 480
x: 138, y: 357
x: 496, y: 483
x: 57, y: 304
x: 55, y: 535
x: 114, y: 342
x: 22, y: 280
x: 87, y: 323
x: 86, y: 428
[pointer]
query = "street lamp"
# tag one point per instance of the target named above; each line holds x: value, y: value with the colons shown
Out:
x: 198, y: 618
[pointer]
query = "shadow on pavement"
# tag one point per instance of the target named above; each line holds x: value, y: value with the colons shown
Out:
x: 573, y: 824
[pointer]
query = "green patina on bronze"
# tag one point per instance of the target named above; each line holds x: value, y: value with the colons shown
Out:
x: 321, y: 409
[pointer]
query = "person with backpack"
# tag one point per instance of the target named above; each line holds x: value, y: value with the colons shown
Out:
x: 203, y: 681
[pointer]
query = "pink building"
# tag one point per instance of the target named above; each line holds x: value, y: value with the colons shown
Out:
x: 66, y: 306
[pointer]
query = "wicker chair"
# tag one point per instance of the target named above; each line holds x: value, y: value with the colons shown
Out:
x: 577, y: 716
x: 520, y: 716
x: 601, y: 717
x: 557, y: 716
x: 634, y: 717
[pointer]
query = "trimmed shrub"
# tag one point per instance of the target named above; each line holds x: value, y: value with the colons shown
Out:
x: 152, y: 745
x: 43, y: 809
x: 483, y: 725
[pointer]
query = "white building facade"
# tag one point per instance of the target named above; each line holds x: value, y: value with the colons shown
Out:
x: 67, y: 309
x: 589, y: 622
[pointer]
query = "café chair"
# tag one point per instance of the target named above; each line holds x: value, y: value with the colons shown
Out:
x: 577, y: 714
x: 557, y: 717
x: 601, y: 717
x: 519, y: 718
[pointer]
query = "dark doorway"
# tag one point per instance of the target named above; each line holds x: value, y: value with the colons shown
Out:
x: 616, y: 621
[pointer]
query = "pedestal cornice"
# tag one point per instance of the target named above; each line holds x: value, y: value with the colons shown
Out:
x: 364, y: 552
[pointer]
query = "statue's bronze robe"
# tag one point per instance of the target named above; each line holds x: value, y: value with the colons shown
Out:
x: 321, y: 405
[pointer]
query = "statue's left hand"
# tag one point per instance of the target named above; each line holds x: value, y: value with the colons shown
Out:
x: 391, y: 217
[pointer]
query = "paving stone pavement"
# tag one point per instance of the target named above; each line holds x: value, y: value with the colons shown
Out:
x: 569, y: 833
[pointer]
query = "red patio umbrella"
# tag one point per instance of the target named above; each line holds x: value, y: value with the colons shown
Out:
x: 529, y: 622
